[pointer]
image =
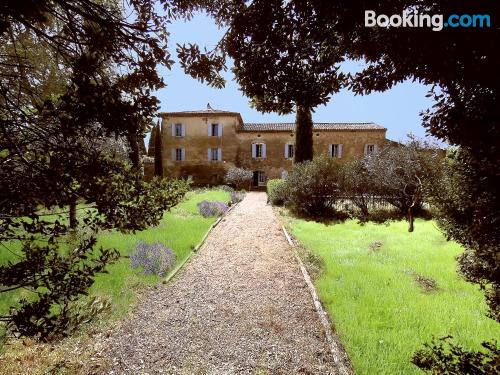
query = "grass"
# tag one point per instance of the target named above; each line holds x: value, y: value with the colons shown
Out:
x: 181, y: 229
x: 389, y: 291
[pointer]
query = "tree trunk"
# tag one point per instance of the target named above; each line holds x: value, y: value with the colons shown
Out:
x: 73, y: 223
x: 410, y: 219
x: 303, y: 135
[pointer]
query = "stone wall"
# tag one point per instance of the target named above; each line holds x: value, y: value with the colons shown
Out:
x: 236, y: 147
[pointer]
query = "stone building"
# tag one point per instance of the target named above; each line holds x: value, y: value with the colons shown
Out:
x: 203, y: 145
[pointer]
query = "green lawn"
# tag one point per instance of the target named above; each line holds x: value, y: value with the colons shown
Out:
x: 380, y: 311
x: 181, y: 229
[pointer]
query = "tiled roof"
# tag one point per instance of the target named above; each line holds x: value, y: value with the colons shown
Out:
x: 201, y: 112
x: 290, y: 126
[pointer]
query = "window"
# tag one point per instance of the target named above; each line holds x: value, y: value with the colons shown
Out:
x: 370, y: 149
x: 215, y: 154
x: 336, y: 151
x: 259, y: 150
x: 178, y: 130
x: 289, y: 151
x: 178, y: 154
x: 215, y: 130
x: 261, y: 178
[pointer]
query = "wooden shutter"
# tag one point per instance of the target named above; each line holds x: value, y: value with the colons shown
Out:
x: 209, y: 129
x: 173, y: 130
x: 263, y: 150
x: 286, y: 151
x: 219, y: 129
x: 366, y: 150
x: 375, y: 148
x: 330, y: 151
x: 254, y: 150
x: 341, y: 147
x: 183, y: 131
x: 209, y: 154
x: 183, y: 154
x: 219, y: 154
x: 173, y: 154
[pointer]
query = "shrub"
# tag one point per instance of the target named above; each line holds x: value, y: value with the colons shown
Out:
x: 444, y: 357
x: 276, y: 192
x: 155, y: 259
x: 313, y: 187
x: 359, y: 185
x: 208, y: 209
x: 239, y: 177
x: 237, y: 196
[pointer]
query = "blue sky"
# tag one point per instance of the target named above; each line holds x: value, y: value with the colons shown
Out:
x: 397, y: 109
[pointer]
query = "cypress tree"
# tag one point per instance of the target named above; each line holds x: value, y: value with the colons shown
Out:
x: 157, y: 151
x: 151, y: 143
x: 303, y: 135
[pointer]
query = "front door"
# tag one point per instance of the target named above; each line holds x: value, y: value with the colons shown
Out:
x: 255, y: 178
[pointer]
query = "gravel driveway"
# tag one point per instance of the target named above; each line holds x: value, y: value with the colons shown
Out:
x: 240, y: 306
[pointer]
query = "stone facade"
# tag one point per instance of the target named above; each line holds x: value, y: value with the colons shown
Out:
x: 203, y: 145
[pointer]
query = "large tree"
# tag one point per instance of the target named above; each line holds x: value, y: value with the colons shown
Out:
x: 54, y: 144
x: 461, y: 66
x: 281, y: 61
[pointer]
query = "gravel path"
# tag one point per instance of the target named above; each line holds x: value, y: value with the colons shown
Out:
x: 240, y: 306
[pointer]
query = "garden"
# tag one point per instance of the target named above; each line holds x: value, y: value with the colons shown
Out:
x: 147, y: 258
x: 371, y: 233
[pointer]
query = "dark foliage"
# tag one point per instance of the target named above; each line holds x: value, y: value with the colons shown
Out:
x: 62, y: 100
x: 444, y: 357
x: 281, y: 62
x: 466, y: 214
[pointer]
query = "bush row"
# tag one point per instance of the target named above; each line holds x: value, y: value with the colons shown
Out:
x: 393, y: 180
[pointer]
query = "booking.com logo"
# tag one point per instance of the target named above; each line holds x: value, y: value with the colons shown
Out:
x: 436, y: 21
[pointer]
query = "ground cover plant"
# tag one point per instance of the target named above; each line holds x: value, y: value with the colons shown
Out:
x: 120, y: 284
x: 212, y: 208
x: 237, y: 196
x: 389, y: 291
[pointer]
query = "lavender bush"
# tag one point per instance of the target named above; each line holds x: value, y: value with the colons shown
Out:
x: 237, y: 196
x: 155, y: 259
x: 208, y: 209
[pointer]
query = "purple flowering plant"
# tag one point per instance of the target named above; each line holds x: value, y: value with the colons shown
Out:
x: 155, y: 259
x: 208, y: 209
x: 237, y: 196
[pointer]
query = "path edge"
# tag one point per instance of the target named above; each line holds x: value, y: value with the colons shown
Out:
x: 338, y: 353
x: 197, y: 247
